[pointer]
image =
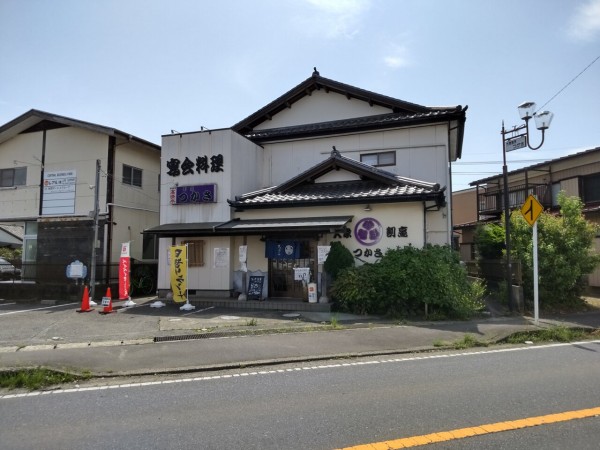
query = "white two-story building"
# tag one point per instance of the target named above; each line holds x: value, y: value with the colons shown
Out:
x: 53, y: 171
x: 325, y: 161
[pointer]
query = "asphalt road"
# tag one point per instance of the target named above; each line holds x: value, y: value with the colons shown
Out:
x: 326, y: 405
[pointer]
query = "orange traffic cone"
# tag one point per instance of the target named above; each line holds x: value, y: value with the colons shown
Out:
x: 107, y: 303
x: 85, y: 301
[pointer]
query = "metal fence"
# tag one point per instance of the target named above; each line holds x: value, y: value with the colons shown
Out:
x: 39, y: 281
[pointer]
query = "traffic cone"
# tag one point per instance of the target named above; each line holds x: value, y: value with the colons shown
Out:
x: 85, y: 301
x: 107, y: 303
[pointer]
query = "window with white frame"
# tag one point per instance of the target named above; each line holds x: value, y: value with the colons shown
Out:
x: 379, y: 159
x: 16, y: 176
x: 132, y: 176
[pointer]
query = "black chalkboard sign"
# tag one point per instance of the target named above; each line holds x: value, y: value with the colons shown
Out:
x: 255, y: 287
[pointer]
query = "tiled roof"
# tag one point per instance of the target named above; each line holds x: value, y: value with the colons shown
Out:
x: 353, y: 124
x: 317, y: 82
x: 14, y: 230
x: 337, y: 192
x: 375, y: 185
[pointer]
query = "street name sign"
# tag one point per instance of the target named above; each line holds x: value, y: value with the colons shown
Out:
x: 516, y: 143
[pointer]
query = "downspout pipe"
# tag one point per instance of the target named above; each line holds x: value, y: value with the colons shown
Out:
x: 424, y: 223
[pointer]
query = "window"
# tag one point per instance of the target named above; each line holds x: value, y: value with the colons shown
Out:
x: 195, y: 253
x: 132, y: 176
x: 13, y: 177
x: 555, y: 191
x: 379, y: 159
x: 150, y: 247
x: 591, y: 188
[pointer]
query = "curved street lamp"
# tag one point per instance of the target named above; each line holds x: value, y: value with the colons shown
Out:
x: 519, y: 140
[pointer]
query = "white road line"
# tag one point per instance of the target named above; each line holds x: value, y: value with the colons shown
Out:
x: 6, y: 304
x: 294, y: 369
x: 200, y: 310
x: 36, y: 309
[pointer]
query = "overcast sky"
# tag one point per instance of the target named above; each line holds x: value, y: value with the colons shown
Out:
x: 146, y: 67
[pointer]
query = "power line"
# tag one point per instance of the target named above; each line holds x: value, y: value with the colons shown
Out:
x: 569, y: 83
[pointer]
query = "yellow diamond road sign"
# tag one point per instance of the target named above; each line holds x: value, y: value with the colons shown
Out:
x: 531, y: 209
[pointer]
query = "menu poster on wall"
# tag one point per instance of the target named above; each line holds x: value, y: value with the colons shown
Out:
x: 322, y: 252
x: 221, y: 257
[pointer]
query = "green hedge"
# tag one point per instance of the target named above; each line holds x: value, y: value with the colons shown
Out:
x: 408, y: 282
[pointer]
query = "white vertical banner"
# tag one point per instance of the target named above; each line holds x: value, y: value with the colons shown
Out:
x: 243, y: 258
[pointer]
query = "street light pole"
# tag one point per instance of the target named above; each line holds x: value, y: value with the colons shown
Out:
x: 518, y: 140
x: 508, y: 269
x: 93, y: 261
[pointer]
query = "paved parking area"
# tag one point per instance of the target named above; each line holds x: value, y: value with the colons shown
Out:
x: 27, y: 324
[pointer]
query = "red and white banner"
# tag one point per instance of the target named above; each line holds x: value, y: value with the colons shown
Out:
x: 124, y: 268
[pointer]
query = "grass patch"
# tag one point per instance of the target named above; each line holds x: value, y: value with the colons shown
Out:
x: 251, y: 322
x: 554, y: 334
x: 37, y: 378
x: 467, y: 341
x: 334, y: 322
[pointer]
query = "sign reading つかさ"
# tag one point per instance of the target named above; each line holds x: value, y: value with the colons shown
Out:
x: 185, y: 195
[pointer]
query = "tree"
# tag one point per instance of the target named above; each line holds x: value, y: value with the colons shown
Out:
x: 565, y: 252
x: 489, y: 241
x: 338, y: 259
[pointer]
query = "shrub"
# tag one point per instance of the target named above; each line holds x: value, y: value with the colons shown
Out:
x: 489, y: 241
x: 338, y: 259
x: 564, y: 253
x: 408, y: 280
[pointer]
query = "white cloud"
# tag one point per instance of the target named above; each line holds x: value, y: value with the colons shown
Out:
x: 397, y: 56
x: 336, y: 18
x: 585, y: 23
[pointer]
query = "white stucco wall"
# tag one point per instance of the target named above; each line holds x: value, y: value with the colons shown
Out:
x: 421, y: 153
x: 242, y: 168
x: 66, y: 149
x: 321, y: 106
x: 21, y: 201
x: 393, y: 216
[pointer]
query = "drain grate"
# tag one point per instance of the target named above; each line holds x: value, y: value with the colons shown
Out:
x: 189, y: 337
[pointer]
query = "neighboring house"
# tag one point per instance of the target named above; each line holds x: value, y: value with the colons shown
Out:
x: 577, y: 175
x: 48, y: 168
x: 464, y: 218
x: 11, y: 236
x: 325, y: 161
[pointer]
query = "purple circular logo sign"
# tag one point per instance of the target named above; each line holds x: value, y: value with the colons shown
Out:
x: 368, y: 231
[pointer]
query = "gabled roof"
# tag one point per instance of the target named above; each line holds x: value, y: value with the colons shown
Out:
x: 538, y: 166
x: 36, y: 120
x: 375, y: 185
x: 401, y: 113
x: 379, y: 121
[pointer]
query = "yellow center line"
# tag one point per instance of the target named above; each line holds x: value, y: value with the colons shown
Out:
x: 461, y: 433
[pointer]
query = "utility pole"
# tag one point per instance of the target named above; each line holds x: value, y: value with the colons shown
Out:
x: 95, y: 241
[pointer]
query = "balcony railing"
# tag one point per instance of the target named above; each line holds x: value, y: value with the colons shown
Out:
x: 491, y: 202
